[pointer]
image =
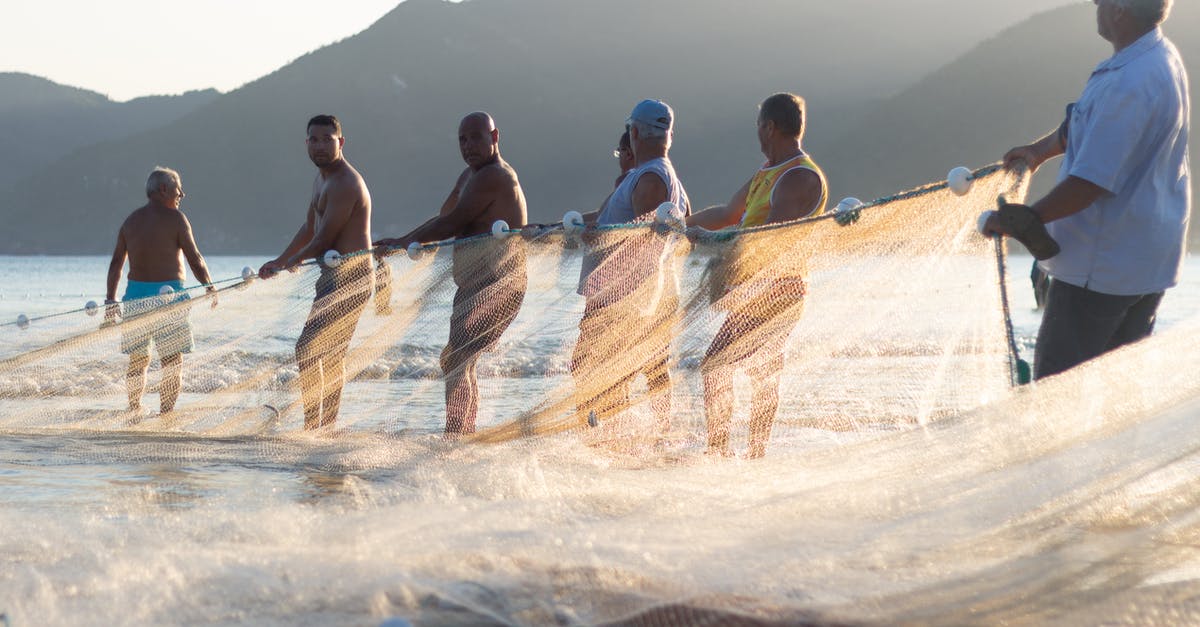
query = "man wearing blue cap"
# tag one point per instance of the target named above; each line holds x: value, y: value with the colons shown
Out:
x: 632, y: 300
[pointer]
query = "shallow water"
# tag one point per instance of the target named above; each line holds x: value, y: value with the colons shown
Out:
x: 115, y: 522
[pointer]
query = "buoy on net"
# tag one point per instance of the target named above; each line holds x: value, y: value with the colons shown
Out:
x: 847, y: 211
x: 91, y: 308
x: 983, y: 218
x: 248, y: 274
x: 959, y: 181
x: 573, y: 222
x: 166, y: 290
x: 415, y: 251
x: 849, y: 203
x: 668, y: 214
x: 332, y: 258
x: 499, y: 229
x: 23, y: 322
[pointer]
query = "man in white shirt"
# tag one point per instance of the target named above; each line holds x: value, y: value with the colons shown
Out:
x: 1120, y: 210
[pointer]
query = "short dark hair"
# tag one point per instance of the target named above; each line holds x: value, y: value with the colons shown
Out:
x: 786, y: 111
x: 325, y: 120
x: 624, y: 141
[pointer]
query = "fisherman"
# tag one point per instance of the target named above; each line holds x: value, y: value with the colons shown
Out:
x: 764, y: 296
x: 1120, y: 210
x: 152, y: 238
x: 490, y: 273
x: 338, y: 219
x: 631, y: 305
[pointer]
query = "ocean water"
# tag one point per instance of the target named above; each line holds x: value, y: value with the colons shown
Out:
x: 119, y: 527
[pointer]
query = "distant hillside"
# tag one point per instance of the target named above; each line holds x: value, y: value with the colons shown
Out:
x: 1010, y: 90
x: 559, y: 76
x: 47, y: 120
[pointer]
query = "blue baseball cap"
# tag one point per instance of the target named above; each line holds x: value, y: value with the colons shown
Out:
x: 655, y: 113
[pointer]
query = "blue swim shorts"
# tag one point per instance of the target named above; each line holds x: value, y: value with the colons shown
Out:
x: 148, y: 314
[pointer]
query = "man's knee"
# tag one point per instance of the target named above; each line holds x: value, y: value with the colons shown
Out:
x: 456, y: 358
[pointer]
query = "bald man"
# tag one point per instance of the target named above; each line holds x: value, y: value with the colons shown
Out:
x: 489, y: 273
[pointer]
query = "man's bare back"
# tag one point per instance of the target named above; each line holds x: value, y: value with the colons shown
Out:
x: 157, y: 238
x: 153, y: 238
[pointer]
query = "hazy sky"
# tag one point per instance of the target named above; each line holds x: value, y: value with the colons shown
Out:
x: 131, y: 48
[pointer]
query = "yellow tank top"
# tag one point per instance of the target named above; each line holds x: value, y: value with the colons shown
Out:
x: 762, y: 189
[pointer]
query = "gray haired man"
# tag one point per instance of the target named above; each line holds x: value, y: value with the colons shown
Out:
x: 630, y: 307
x: 1120, y: 210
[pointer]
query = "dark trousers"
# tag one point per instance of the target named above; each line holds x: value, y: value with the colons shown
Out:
x: 1080, y: 324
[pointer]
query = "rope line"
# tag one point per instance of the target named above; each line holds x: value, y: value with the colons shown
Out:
x: 542, y: 229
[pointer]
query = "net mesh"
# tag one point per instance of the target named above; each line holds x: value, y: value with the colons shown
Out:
x: 634, y: 335
x: 906, y: 482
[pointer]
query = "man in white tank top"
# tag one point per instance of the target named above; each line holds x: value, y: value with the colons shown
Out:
x: 632, y: 304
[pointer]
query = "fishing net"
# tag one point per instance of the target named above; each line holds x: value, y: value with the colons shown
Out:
x: 867, y: 355
x: 640, y: 335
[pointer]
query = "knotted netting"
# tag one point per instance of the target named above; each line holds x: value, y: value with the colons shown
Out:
x: 884, y: 316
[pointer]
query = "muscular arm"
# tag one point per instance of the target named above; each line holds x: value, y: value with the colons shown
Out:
x: 452, y: 199
x: 796, y: 196
x: 302, y: 237
x: 477, y: 195
x: 116, y: 265
x: 448, y: 207
x: 721, y: 216
x: 340, y: 204
x: 1067, y: 198
x: 649, y: 192
x: 187, y: 243
x: 1037, y: 153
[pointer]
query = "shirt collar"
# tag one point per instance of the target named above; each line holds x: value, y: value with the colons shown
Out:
x: 1144, y: 44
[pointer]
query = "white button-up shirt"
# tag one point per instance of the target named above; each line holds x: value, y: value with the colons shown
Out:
x: 1128, y: 134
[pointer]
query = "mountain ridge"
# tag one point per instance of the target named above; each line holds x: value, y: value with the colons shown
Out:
x: 401, y: 86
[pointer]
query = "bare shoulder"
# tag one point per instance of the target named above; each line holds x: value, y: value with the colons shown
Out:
x: 500, y: 172
x: 348, y: 180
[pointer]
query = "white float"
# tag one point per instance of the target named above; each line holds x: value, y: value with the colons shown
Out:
x: 499, y: 229
x: 573, y: 222
x: 668, y: 214
x: 332, y: 258
x: 248, y: 274
x: 959, y: 180
x: 23, y: 321
x: 415, y: 251
x: 983, y: 218
x: 848, y: 203
x: 92, y: 308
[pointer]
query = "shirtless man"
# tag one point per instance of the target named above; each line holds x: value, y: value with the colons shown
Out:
x: 760, y: 286
x: 152, y: 237
x: 339, y: 218
x: 489, y: 273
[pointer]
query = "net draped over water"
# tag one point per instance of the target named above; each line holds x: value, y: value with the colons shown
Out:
x: 894, y: 320
x: 905, y: 479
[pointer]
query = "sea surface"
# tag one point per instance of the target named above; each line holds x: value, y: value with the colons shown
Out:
x: 127, y: 528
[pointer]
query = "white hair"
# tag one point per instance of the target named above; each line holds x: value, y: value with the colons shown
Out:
x: 159, y: 177
x: 1151, y: 12
x: 646, y: 131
